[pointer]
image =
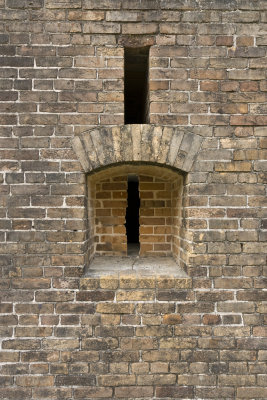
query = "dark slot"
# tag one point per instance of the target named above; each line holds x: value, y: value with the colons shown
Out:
x: 132, y: 216
x: 136, y: 92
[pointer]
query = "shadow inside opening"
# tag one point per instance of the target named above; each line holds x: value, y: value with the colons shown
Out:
x: 132, y: 216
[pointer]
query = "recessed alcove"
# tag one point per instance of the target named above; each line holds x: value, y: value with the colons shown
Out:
x: 155, y: 229
x: 157, y: 158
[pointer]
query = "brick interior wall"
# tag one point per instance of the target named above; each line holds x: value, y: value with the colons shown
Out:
x: 110, y: 211
x: 155, y: 216
x: 61, y: 73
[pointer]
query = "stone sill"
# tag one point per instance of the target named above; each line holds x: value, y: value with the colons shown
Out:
x: 131, y: 272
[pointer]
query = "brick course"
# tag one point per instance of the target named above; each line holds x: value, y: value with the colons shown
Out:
x: 62, y: 84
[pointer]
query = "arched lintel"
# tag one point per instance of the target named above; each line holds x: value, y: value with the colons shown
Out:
x: 168, y: 146
x: 129, y: 164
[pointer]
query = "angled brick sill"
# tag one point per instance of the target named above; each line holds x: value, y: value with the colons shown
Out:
x: 163, y: 145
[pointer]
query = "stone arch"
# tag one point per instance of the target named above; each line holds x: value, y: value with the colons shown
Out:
x: 164, y: 145
x: 162, y: 152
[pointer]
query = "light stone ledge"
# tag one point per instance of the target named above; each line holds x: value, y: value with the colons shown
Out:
x: 135, y: 266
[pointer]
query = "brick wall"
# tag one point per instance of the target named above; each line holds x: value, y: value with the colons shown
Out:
x: 115, y: 337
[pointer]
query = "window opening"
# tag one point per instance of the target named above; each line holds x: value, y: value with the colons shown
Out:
x: 136, y: 91
x: 132, y: 216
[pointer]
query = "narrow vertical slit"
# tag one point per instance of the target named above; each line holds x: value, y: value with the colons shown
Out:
x: 136, y: 88
x: 132, y: 216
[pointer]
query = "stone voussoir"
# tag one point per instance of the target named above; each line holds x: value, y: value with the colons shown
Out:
x: 105, y: 145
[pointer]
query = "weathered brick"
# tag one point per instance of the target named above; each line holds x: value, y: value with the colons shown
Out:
x: 8, y: 320
x: 100, y: 295
x: 51, y: 393
x: 116, y: 380
x: 109, y: 308
x: 55, y: 296
x: 93, y: 392
x: 135, y: 295
x: 21, y: 344
x: 78, y: 308
x: 75, y: 380
x: 172, y: 319
x: 174, y: 392
x: 216, y: 343
x: 214, y: 393
x: 139, y: 392
x: 15, y: 393
x: 60, y: 344
x: 34, y: 381
x: 6, y: 356
x: 251, y: 392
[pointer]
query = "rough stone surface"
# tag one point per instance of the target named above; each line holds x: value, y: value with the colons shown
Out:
x: 132, y: 265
